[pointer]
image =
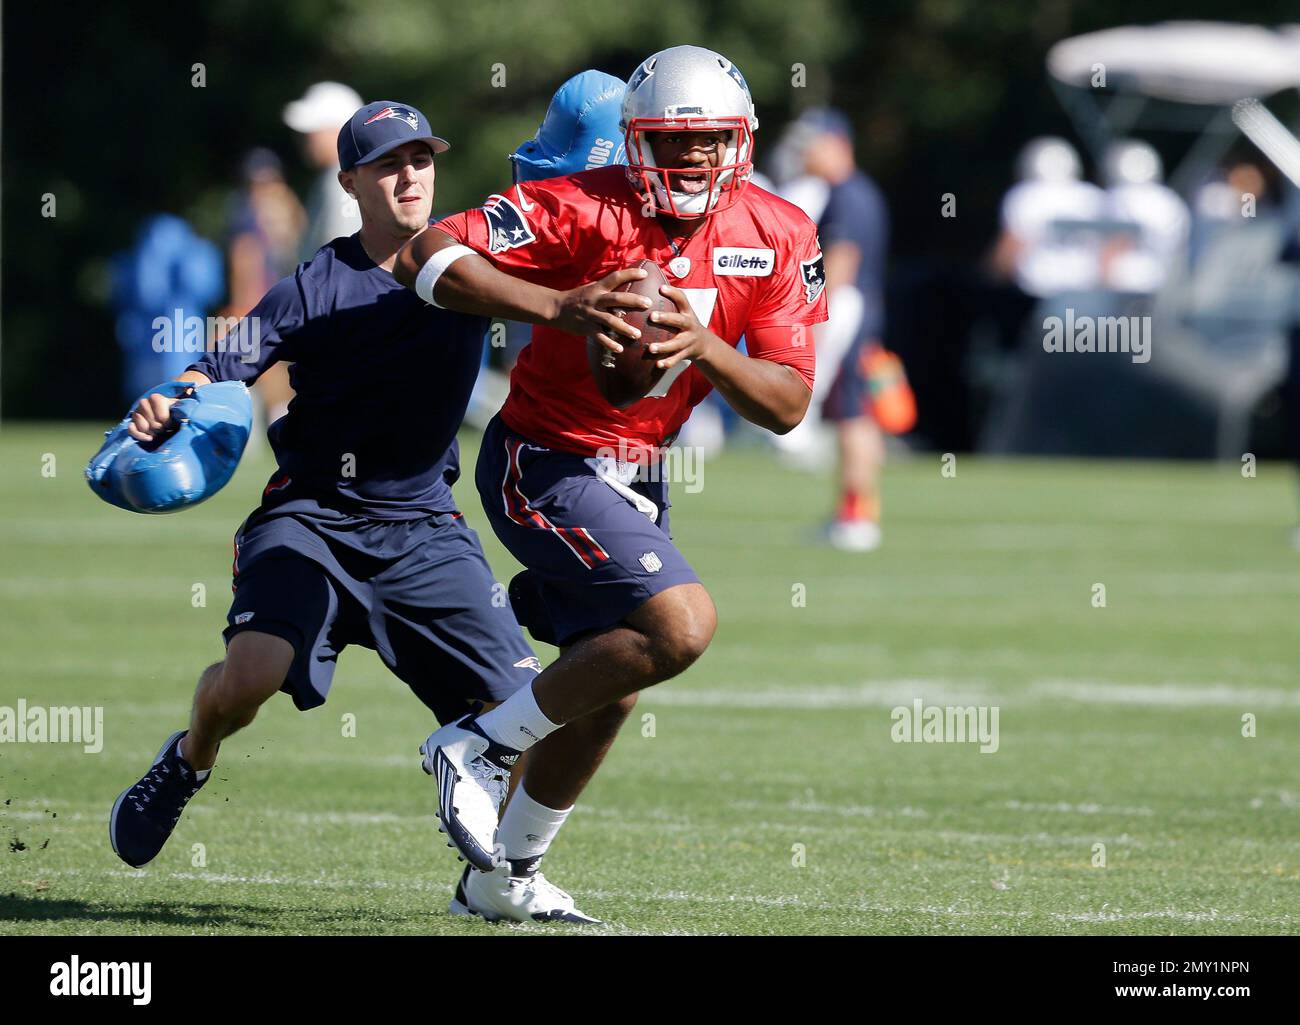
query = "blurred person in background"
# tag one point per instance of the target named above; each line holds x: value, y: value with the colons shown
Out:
x: 1241, y: 193
x: 170, y: 274
x: 1139, y: 261
x: 317, y: 117
x: 861, y: 387
x: 266, y: 225
x: 1041, y: 247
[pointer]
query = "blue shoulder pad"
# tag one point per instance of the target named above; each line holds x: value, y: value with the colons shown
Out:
x: 185, y: 467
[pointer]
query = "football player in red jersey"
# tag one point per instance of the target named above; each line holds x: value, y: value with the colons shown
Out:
x: 569, y: 482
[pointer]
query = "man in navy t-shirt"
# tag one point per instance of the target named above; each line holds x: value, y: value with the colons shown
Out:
x: 358, y: 539
x: 860, y: 388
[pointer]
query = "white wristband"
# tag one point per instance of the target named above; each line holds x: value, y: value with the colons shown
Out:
x: 434, y: 268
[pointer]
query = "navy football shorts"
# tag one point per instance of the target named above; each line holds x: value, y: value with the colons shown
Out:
x: 418, y: 592
x: 593, y: 557
x: 850, y: 394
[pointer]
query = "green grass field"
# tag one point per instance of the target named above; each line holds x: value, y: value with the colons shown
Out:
x: 1119, y: 725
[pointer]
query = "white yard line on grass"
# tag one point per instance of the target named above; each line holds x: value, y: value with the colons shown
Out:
x: 946, y: 691
x: 875, y: 694
x: 1086, y: 808
x: 1166, y: 695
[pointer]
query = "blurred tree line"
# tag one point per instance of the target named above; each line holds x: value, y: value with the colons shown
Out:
x: 100, y: 111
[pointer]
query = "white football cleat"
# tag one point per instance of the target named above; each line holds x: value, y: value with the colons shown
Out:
x: 497, y: 895
x: 473, y: 773
x: 854, y: 535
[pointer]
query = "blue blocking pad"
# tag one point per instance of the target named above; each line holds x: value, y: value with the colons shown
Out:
x: 192, y: 463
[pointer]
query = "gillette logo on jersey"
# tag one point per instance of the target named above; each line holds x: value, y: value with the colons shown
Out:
x: 757, y: 263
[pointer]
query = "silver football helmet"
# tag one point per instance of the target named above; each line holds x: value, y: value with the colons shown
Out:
x: 688, y: 88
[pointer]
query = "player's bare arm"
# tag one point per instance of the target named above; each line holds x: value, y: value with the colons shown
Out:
x: 472, y: 285
x: 768, y: 394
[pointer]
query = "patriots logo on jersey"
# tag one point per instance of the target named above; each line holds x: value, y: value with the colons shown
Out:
x: 401, y: 113
x: 506, y: 225
x: 814, y: 277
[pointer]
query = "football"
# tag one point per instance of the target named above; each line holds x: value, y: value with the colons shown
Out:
x: 625, y: 377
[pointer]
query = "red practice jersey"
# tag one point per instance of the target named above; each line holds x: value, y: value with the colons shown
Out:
x: 753, y: 267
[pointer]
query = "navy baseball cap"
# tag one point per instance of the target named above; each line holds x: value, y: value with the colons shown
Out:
x: 818, y: 120
x: 378, y: 127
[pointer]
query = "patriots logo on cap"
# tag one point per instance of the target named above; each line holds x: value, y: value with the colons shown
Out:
x: 814, y: 277
x: 506, y: 225
x: 401, y: 113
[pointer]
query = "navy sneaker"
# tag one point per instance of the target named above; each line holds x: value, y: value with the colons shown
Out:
x: 145, y: 814
x: 473, y: 773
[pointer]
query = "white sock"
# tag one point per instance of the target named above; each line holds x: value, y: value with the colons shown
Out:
x: 517, y: 722
x: 527, y: 829
x: 199, y: 774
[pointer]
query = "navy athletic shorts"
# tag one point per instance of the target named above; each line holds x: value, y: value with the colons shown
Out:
x: 850, y: 394
x: 593, y: 557
x: 418, y: 592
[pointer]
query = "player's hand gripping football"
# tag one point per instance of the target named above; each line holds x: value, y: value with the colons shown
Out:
x: 692, y: 341
x: 591, y: 309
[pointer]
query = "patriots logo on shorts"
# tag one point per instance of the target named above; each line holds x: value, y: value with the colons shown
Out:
x: 401, y: 113
x: 531, y: 662
x: 814, y: 277
x: 507, y: 228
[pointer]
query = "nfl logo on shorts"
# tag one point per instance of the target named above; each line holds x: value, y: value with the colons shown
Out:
x: 651, y: 562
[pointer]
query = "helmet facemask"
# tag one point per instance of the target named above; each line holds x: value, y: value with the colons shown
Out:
x: 663, y: 186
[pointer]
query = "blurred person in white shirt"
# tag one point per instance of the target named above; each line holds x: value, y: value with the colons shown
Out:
x: 317, y: 117
x: 1140, y: 262
x: 1042, y: 247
